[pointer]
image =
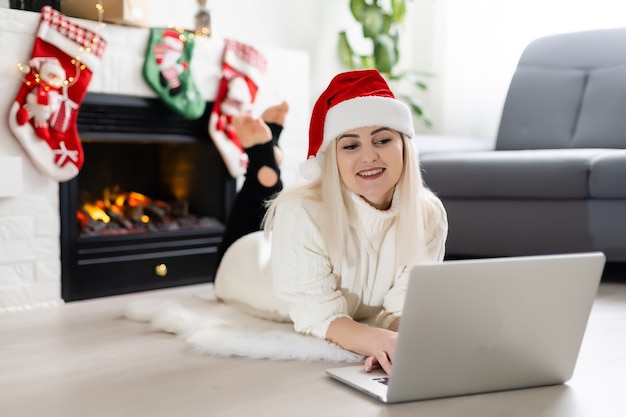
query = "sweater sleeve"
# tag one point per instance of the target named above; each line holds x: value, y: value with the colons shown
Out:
x: 302, y: 271
x: 393, y: 302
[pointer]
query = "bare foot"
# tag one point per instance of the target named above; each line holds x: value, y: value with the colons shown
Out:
x: 276, y: 114
x: 278, y: 155
x: 251, y: 131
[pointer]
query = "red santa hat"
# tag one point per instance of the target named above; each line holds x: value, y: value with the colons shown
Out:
x: 171, y: 33
x: 176, y: 35
x: 353, y: 99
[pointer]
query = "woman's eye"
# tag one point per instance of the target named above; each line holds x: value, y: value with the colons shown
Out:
x: 350, y: 147
x: 383, y: 141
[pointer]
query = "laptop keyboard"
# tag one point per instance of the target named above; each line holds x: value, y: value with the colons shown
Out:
x: 383, y: 380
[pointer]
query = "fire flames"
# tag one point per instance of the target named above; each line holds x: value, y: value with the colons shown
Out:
x: 133, y: 212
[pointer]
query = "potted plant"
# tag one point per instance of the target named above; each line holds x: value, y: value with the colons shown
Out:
x: 381, y: 24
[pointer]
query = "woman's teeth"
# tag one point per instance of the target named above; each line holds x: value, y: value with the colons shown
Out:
x: 370, y: 173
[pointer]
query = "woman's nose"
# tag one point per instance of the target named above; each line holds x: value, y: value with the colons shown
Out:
x: 370, y: 153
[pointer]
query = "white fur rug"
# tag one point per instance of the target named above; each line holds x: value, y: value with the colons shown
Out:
x: 213, y: 328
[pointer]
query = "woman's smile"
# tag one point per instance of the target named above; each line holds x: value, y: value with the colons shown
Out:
x: 370, y: 161
x: 371, y: 174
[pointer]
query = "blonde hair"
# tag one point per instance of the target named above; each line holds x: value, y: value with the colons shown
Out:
x: 329, y: 191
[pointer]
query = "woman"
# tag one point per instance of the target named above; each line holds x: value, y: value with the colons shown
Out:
x: 338, y: 248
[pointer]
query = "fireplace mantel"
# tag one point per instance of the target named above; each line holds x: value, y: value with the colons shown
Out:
x: 30, y: 264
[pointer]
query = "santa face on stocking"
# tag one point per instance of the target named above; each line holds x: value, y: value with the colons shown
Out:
x: 166, y: 69
x: 238, y: 100
x: 45, y: 79
x: 44, y: 112
x: 167, y: 55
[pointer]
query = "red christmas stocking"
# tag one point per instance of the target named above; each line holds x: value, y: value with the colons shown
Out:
x: 43, y: 116
x: 242, y: 70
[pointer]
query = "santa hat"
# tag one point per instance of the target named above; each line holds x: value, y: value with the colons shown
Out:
x: 174, y: 34
x: 353, y: 99
x: 171, y: 33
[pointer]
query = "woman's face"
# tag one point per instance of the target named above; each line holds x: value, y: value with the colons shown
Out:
x: 370, y: 162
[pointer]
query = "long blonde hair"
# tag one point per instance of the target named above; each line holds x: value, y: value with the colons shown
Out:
x: 329, y: 191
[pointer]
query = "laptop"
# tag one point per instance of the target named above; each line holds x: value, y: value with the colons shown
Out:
x: 486, y: 325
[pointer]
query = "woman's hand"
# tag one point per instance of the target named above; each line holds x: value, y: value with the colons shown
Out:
x: 379, y: 345
x: 383, y: 357
x: 373, y: 362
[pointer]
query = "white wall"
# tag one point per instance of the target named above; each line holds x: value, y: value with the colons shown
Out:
x: 29, y: 212
x: 472, y: 47
x: 308, y: 25
x: 479, y: 44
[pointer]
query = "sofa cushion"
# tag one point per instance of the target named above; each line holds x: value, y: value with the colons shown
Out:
x: 608, y: 174
x: 530, y: 174
x: 602, y: 122
x: 541, y: 108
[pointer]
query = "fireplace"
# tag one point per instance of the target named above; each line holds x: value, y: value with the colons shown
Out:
x: 137, y: 149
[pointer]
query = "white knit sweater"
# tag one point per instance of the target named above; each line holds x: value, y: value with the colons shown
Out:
x: 372, y: 288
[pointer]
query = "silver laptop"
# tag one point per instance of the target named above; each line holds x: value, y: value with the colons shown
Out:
x: 476, y: 326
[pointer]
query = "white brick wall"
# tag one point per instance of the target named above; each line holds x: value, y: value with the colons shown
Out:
x: 30, y: 265
x: 29, y: 226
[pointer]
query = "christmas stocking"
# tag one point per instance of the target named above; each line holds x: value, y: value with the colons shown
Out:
x: 242, y: 70
x: 166, y: 70
x: 43, y: 116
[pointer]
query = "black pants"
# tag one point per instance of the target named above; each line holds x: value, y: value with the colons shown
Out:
x: 249, y: 207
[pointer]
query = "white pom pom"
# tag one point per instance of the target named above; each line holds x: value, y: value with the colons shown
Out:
x: 311, y: 169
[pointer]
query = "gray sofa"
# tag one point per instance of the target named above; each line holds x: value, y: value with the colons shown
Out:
x: 556, y: 180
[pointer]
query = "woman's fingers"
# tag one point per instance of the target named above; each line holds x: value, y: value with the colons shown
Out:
x: 380, y: 360
x: 370, y: 364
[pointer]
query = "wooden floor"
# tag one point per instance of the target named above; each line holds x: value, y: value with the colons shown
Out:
x: 83, y: 359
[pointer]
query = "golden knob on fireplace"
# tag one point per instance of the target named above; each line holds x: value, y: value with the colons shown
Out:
x: 160, y: 270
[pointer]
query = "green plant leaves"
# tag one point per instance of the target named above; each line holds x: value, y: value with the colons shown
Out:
x: 346, y: 53
x: 356, y: 7
x: 385, y: 53
x: 417, y: 108
x: 380, y: 25
x: 398, y: 10
x: 373, y: 21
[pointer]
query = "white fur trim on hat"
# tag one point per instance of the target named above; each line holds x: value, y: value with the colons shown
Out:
x: 367, y: 111
x: 311, y: 169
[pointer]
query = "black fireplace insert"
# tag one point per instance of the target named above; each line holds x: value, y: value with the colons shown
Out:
x: 148, y: 208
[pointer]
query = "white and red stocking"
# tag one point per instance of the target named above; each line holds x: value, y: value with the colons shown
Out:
x: 243, y: 68
x: 43, y: 116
